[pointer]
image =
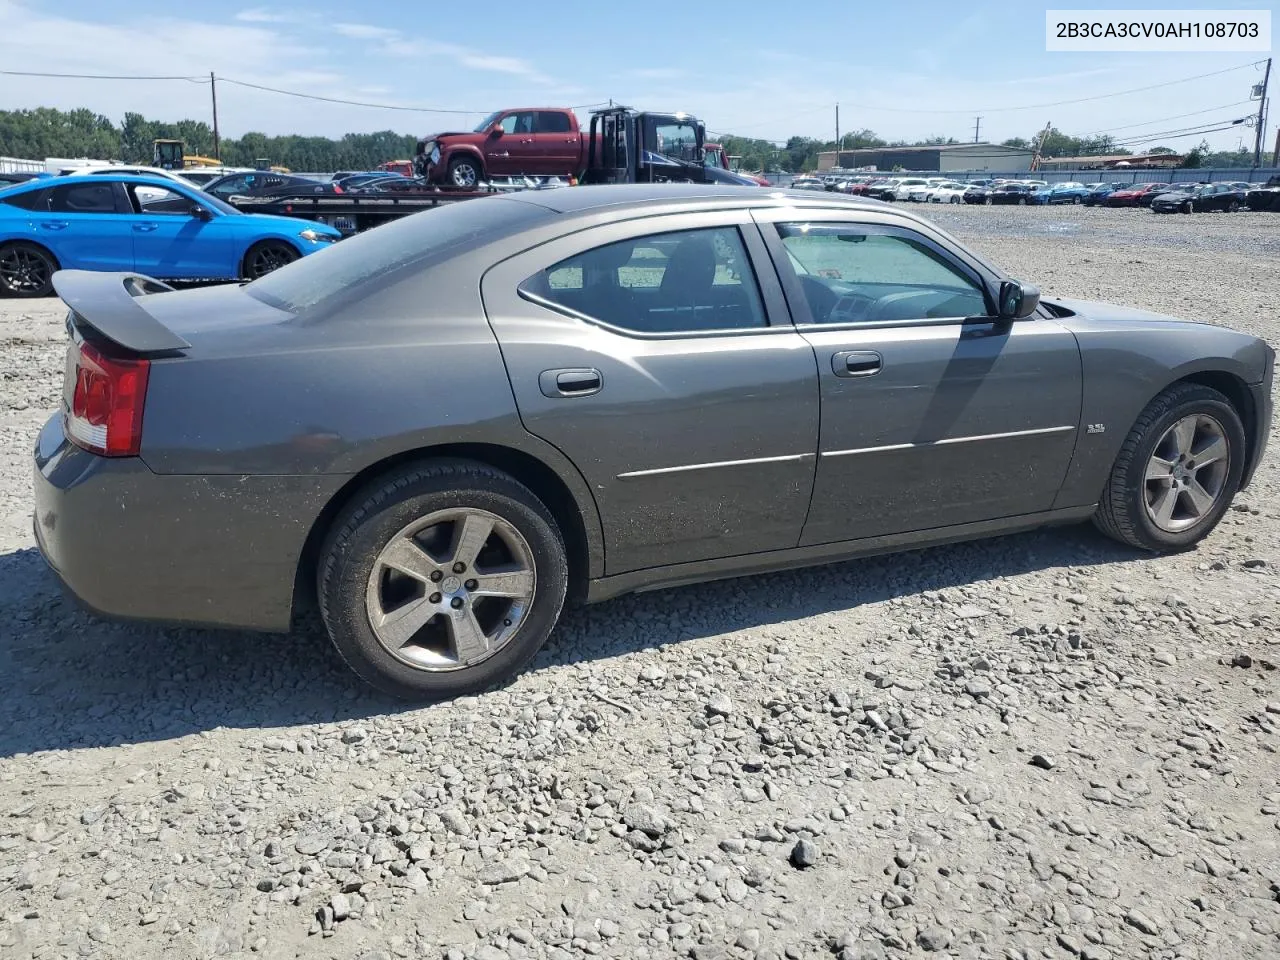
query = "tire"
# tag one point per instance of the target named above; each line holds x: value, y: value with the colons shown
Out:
x: 353, y: 585
x: 955, y: 199
x: 465, y: 171
x: 987, y: 201
x: 1022, y: 201
x: 26, y: 270
x: 1075, y: 201
x: 1190, y: 207
x: 1233, y: 206
x: 267, y: 256
x: 1123, y: 512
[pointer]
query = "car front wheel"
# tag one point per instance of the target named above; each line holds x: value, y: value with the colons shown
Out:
x: 267, y: 257
x: 1176, y: 472
x: 442, y: 579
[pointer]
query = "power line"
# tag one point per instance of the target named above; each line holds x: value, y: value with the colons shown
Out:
x: 1183, y: 132
x: 1060, y: 103
x: 96, y: 76
x: 378, y: 106
x: 1177, y: 116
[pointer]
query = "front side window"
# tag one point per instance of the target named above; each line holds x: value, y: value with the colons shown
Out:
x: 517, y: 123
x: 159, y: 201
x: 83, y: 198
x: 855, y: 274
x: 688, y: 281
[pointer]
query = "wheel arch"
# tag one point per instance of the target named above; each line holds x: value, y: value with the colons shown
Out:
x: 25, y: 241
x: 543, y: 480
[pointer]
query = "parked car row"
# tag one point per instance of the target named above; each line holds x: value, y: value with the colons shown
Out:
x: 1184, y: 197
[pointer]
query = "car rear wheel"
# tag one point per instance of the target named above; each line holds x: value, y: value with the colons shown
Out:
x: 464, y: 172
x: 1177, y: 471
x: 267, y: 256
x: 1022, y: 201
x: 1075, y: 200
x: 1233, y: 206
x: 442, y: 579
x: 26, y: 270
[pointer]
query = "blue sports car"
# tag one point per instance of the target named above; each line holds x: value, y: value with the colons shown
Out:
x: 135, y: 223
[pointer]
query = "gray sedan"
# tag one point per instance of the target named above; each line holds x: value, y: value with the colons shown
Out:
x: 443, y: 429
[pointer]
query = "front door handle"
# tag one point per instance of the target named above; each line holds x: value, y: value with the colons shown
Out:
x: 571, y: 382
x: 146, y: 227
x: 856, y: 363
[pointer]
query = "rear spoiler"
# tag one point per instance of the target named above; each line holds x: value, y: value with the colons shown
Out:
x: 108, y: 302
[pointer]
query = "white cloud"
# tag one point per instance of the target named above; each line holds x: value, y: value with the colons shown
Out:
x: 264, y: 15
x: 365, y: 31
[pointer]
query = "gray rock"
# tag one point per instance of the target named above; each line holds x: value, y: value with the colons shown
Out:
x: 309, y: 844
x: 970, y: 611
x: 652, y: 673
x: 504, y: 871
x: 1043, y: 762
x: 455, y: 822
x: 979, y: 688
x: 719, y: 705
x: 1138, y: 919
x: 933, y: 939
x: 805, y: 853
x: 749, y: 939
x: 648, y: 820
x: 340, y: 904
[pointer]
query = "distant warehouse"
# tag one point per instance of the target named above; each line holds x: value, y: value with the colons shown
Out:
x: 955, y: 156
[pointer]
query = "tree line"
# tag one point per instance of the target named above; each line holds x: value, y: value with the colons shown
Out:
x: 46, y: 132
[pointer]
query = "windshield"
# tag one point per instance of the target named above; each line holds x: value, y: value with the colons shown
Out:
x: 676, y: 140
x: 487, y: 122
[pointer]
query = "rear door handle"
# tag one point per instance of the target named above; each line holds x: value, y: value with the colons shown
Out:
x: 54, y: 224
x: 571, y: 382
x: 856, y: 363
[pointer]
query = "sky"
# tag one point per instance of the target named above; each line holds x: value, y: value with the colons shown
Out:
x: 769, y: 70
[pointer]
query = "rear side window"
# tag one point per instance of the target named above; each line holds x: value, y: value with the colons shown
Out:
x: 687, y: 281
x: 26, y: 200
x: 83, y: 198
x: 369, y: 260
x: 552, y: 121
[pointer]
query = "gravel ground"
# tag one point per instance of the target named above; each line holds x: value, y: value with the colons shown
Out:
x: 1038, y: 746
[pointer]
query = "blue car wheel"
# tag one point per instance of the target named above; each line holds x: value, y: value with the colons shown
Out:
x: 26, y: 270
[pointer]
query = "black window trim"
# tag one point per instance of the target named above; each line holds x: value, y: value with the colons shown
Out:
x: 799, y: 305
x: 770, y: 300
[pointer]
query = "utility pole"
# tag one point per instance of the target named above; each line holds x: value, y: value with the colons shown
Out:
x: 837, y: 134
x: 1262, y: 117
x: 213, y: 92
x: 977, y: 125
x: 1275, y: 157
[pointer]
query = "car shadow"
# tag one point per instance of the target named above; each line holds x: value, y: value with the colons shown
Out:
x: 69, y: 680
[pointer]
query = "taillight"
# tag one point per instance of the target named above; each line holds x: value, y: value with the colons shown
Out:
x: 106, y: 405
x: 337, y: 188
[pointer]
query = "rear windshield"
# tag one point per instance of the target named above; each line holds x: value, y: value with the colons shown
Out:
x: 374, y: 256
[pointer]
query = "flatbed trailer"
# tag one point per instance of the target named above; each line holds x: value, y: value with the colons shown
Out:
x: 355, y: 213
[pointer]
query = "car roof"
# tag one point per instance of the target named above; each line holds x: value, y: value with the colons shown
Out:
x: 623, y: 200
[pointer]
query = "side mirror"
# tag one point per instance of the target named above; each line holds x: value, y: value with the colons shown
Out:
x: 1017, y: 300
x: 200, y: 212
x: 496, y: 130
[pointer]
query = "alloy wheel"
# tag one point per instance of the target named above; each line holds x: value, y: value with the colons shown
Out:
x: 451, y: 589
x: 24, y: 271
x: 269, y: 257
x: 1187, y: 473
x: 465, y: 175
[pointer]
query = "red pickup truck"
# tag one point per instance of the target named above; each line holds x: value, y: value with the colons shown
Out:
x: 543, y: 141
